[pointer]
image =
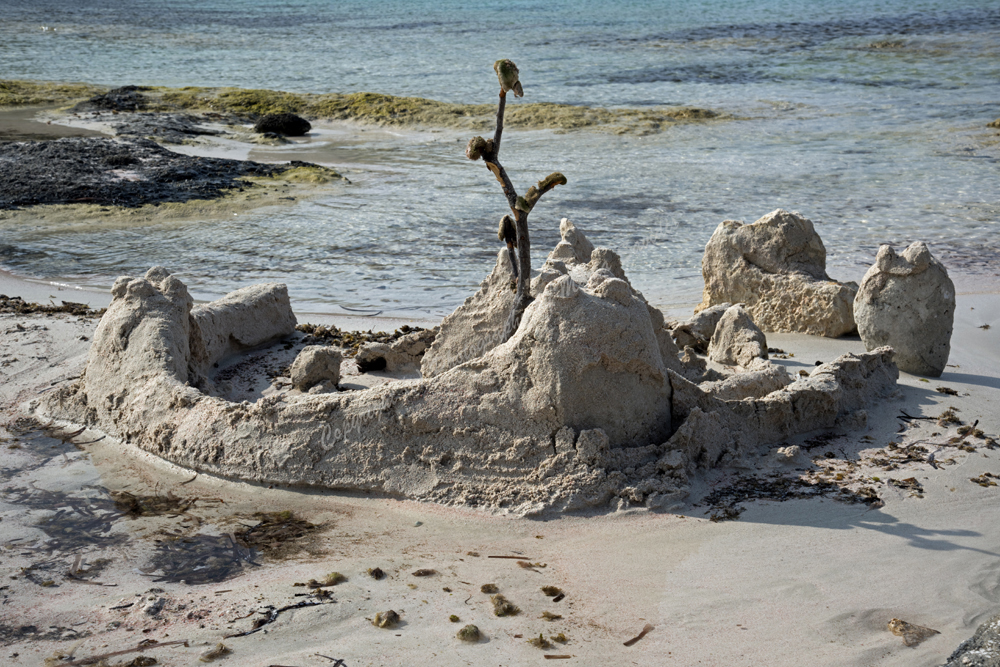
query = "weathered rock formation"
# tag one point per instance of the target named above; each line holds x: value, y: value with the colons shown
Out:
x: 737, y: 340
x: 315, y: 364
x: 907, y: 301
x: 776, y: 267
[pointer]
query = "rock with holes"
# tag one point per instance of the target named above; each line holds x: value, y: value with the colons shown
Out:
x: 776, y: 267
x: 907, y: 301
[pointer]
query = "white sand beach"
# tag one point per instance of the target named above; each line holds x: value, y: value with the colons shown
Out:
x: 799, y: 581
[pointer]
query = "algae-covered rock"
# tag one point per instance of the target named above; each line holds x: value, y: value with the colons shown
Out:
x: 288, y: 124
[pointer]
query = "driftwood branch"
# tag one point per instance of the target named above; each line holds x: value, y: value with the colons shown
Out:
x: 513, y: 228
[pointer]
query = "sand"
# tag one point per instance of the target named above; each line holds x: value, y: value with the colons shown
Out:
x: 787, y: 580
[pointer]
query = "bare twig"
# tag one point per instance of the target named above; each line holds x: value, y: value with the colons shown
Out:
x: 97, y: 658
x: 639, y: 636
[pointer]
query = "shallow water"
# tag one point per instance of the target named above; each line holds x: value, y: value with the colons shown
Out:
x: 868, y: 120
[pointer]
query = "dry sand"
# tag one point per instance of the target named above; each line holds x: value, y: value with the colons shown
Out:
x: 788, y: 583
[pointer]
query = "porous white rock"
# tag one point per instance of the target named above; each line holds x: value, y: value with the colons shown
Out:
x: 315, y: 364
x: 737, y: 340
x: 907, y: 301
x: 776, y: 267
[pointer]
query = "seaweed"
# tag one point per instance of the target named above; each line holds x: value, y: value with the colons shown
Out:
x: 504, y: 607
x: 18, y: 306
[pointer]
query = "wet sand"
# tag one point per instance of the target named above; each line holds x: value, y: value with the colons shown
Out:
x: 808, y: 577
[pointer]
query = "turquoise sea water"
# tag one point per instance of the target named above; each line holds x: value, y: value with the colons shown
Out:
x: 867, y: 117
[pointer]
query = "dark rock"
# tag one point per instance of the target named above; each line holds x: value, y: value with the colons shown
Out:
x: 118, y: 172
x: 168, y: 128
x: 980, y: 650
x: 287, y: 124
x: 126, y: 98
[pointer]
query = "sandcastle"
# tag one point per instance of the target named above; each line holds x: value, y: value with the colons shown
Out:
x: 589, y: 404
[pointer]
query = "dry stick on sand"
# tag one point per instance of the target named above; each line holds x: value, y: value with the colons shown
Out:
x: 520, y: 207
x: 639, y: 636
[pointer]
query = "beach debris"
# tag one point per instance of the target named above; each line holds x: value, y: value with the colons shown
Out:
x: 454, y: 619
x: 527, y: 565
x: 645, y: 630
x: 331, y: 579
x: 386, y: 619
x: 287, y: 124
x: 912, y: 634
x: 551, y: 591
x: 18, y: 306
x: 144, y: 645
x: 946, y: 390
x: 560, y: 638
x: 134, y: 506
x: 908, y: 484
x: 540, y: 642
x: 549, y: 616
x: 213, y: 654
x: 424, y: 573
x: 315, y: 364
x: 278, y: 534
x: 737, y: 340
x: 985, y: 480
x: 949, y: 417
x: 155, y: 607
x: 376, y: 573
x: 271, y: 615
x: 503, y: 607
x: 469, y: 633
x: 559, y: 597
x: 776, y: 268
x: 489, y: 589
x: 351, y: 341
x: 907, y: 301
x: 984, y: 327
x: 403, y: 354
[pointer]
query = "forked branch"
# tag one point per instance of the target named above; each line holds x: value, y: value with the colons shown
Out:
x: 514, y: 227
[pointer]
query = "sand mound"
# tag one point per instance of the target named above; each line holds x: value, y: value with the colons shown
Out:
x: 581, y: 407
